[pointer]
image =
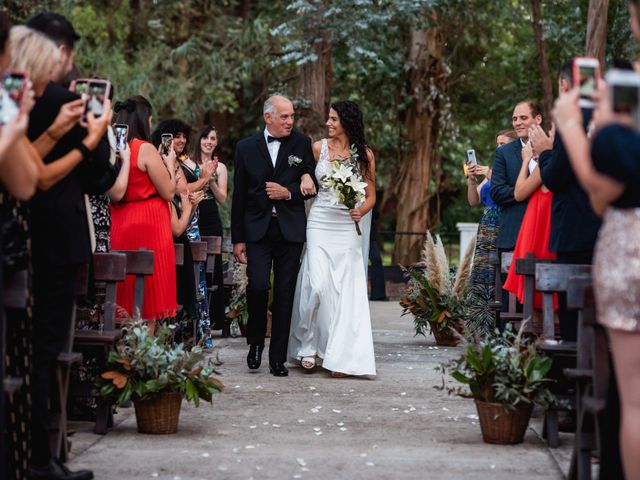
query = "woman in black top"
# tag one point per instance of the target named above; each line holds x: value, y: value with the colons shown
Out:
x: 610, y: 173
x: 209, y: 221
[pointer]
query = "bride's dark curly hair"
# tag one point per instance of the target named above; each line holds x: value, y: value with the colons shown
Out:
x: 353, y: 125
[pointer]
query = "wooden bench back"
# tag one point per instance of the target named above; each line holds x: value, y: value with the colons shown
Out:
x: 199, y: 251
x: 82, y: 280
x: 214, y: 244
x: 110, y: 268
x: 527, y: 268
x: 554, y: 277
x: 140, y: 264
x: 179, y: 252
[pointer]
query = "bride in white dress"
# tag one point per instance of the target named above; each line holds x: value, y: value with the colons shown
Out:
x: 330, y: 324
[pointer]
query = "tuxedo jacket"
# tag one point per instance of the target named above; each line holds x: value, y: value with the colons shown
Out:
x: 59, y: 229
x: 574, y: 225
x: 506, y: 167
x: 251, y: 208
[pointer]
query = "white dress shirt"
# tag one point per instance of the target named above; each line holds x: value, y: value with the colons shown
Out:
x: 273, y: 147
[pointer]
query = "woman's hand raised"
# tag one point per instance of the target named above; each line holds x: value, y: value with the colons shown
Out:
x: 97, y: 126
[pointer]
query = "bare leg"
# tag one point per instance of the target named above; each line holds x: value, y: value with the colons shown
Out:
x: 625, y: 347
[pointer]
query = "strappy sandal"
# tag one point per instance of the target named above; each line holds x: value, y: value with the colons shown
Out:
x: 308, y: 363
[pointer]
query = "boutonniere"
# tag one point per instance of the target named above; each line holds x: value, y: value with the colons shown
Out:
x: 294, y: 161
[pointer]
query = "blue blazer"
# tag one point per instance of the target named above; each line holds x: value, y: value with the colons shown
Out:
x: 506, y: 167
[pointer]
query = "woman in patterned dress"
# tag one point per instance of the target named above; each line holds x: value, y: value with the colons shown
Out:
x: 481, y: 288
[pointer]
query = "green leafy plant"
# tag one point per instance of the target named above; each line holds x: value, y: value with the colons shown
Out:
x: 503, y: 368
x: 144, y: 365
x: 434, y: 297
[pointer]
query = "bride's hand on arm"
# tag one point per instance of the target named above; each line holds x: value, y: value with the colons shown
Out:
x: 307, y: 187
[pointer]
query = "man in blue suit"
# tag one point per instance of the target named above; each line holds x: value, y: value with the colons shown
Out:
x: 506, y: 167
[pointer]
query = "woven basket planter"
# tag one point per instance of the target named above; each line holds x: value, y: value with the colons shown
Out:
x: 444, y: 337
x: 501, y: 426
x: 159, y: 414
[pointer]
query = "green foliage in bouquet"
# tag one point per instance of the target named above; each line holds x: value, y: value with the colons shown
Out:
x: 432, y: 296
x: 502, y: 368
x: 144, y: 365
x: 237, y: 309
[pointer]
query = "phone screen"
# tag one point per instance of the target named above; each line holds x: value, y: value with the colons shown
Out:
x: 167, y: 138
x: 587, y: 79
x: 11, y: 96
x: 625, y: 98
x: 121, y: 131
x: 97, y: 96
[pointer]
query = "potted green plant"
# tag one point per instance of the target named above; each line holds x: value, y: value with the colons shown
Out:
x: 434, y: 297
x: 505, y: 375
x: 157, y: 375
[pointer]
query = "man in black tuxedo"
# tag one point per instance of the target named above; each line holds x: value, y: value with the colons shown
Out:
x: 60, y: 242
x: 505, y: 170
x: 574, y: 225
x: 274, y: 171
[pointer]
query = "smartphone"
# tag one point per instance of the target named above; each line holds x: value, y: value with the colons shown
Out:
x: 471, y: 158
x: 586, y: 72
x: 167, y: 138
x: 624, y: 91
x: 122, y: 132
x: 11, y: 94
x: 95, y: 93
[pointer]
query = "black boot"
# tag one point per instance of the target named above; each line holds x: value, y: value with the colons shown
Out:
x: 55, y: 470
x: 255, y: 356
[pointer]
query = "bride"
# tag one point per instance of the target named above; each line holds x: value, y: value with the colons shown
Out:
x: 330, y: 324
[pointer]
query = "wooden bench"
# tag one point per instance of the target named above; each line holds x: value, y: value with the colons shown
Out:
x: 60, y: 389
x: 140, y: 264
x: 179, y: 253
x: 511, y: 315
x: 108, y: 270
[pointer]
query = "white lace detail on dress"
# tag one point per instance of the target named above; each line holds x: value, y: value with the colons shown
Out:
x: 323, y: 168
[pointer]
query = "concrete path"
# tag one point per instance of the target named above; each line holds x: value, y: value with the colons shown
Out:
x: 311, y: 426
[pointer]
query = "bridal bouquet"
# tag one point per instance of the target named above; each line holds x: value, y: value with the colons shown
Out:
x: 346, y: 183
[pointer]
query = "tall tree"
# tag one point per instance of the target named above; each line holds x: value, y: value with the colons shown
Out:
x: 545, y: 76
x: 596, y: 43
x: 414, y: 188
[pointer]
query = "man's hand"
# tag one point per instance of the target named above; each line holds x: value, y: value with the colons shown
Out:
x: 240, y: 252
x: 307, y: 187
x: 539, y: 140
x: 275, y: 191
x: 68, y: 116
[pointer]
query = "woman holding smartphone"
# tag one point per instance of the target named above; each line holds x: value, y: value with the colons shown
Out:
x: 215, y: 191
x: 481, y: 288
x: 609, y: 170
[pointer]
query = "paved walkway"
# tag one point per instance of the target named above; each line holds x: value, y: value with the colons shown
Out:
x: 311, y: 426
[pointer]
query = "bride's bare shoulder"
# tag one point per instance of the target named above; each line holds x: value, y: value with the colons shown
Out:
x: 317, y: 148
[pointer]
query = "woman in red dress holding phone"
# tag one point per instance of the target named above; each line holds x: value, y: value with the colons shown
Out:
x: 142, y: 218
x: 535, y: 229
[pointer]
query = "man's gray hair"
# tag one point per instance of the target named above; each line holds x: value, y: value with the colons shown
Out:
x: 269, y: 106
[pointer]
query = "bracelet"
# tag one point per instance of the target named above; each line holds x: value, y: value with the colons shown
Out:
x: 84, y: 150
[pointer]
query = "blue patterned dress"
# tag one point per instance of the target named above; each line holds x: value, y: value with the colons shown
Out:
x: 481, y: 289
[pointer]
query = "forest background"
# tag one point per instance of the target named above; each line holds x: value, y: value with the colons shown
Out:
x: 433, y: 77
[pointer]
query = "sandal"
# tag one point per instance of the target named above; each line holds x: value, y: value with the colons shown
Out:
x: 339, y: 375
x: 308, y: 363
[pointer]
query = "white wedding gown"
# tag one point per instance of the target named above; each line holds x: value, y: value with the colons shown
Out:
x: 330, y: 309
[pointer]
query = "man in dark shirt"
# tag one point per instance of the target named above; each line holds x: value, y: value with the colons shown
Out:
x: 574, y: 225
x: 60, y: 245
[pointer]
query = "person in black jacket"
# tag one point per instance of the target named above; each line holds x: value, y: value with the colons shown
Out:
x: 60, y: 241
x: 268, y: 224
x: 574, y: 225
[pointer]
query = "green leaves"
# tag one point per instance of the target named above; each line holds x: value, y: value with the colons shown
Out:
x: 502, y: 368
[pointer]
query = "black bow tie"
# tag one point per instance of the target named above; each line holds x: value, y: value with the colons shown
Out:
x: 272, y: 139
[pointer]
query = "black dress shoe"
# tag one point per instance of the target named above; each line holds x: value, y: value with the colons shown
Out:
x: 55, y: 470
x: 278, y: 369
x: 255, y: 356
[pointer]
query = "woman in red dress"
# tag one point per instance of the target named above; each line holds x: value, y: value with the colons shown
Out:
x: 536, y: 224
x: 141, y: 219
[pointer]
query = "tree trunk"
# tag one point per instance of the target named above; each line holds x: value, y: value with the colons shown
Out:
x: 426, y: 85
x: 597, y: 29
x: 547, y: 86
x: 316, y: 78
